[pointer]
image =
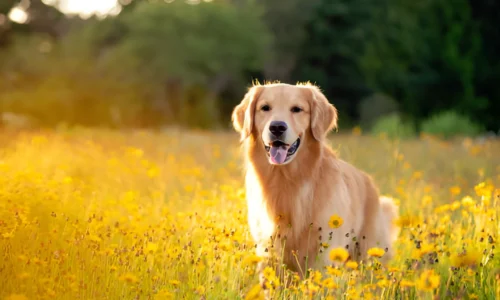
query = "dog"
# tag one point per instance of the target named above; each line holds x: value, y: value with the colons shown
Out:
x: 295, y: 182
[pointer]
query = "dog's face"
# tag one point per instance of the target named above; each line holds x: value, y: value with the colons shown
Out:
x: 282, y: 117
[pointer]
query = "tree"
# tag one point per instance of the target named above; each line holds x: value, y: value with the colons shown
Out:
x: 330, y: 55
x: 42, y: 18
x: 424, y: 54
x: 487, y: 66
x: 286, y: 20
x: 204, y: 46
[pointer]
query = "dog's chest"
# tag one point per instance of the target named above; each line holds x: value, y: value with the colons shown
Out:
x: 279, y: 210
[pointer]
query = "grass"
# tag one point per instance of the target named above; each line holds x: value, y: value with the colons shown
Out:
x: 95, y: 214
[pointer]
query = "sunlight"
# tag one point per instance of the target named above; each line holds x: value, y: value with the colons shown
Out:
x: 18, y: 15
x: 86, y: 8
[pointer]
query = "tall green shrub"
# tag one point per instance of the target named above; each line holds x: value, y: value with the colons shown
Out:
x: 449, y: 124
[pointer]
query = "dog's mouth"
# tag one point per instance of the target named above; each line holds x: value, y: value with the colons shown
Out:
x: 279, y: 152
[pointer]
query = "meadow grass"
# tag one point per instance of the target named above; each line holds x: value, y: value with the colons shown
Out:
x: 98, y: 214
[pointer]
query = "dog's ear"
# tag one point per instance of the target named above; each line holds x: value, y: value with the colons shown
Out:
x: 244, y: 112
x: 323, y: 114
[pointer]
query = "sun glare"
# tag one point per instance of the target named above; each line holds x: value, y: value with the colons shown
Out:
x: 86, y: 8
x: 18, y: 15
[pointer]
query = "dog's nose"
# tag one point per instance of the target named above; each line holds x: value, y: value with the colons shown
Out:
x: 277, y: 128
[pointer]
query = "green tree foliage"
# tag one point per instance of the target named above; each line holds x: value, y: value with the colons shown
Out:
x: 427, y: 55
x: 287, y: 21
x: 185, y: 49
x: 189, y: 62
x: 487, y: 65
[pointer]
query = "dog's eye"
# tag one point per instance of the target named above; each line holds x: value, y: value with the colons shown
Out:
x: 265, y: 107
x: 296, y: 109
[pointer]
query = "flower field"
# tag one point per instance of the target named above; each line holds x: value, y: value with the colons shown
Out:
x: 97, y: 214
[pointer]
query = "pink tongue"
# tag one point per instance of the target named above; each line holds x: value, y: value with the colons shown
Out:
x: 278, y: 154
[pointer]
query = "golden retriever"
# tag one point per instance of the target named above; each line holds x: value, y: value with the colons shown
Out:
x: 295, y: 182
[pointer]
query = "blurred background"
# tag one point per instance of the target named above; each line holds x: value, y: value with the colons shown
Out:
x: 396, y: 66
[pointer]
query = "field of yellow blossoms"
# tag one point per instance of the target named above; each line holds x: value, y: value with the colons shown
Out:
x: 97, y: 214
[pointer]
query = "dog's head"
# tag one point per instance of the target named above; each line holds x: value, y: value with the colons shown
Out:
x: 282, y: 117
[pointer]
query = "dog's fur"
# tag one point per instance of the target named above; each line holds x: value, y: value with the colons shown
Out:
x: 290, y: 205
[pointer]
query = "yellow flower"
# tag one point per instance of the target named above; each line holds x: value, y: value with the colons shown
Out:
x: 164, y: 294
x: 428, y: 281
x: 333, y: 271
x: 175, y: 282
x: 151, y: 248
x: 316, y: 277
x: 417, y: 174
x: 335, y: 221
x: 383, y: 283
x: 352, y: 265
x: 270, y: 276
x: 425, y: 248
x: 356, y: 131
x: 254, y: 293
x: 469, y: 258
x: 330, y: 284
x: 129, y: 278
x: 407, y: 221
x: 339, y: 255
x: 376, y: 252
x: 455, y: 190
x: 252, y: 259
x: 426, y: 200
x: 455, y: 205
x: 467, y: 201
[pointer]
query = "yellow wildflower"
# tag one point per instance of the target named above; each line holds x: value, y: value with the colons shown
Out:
x: 425, y: 248
x: 333, y: 271
x: 151, y: 247
x: 271, y: 279
x: 175, y: 282
x: 428, y: 281
x: 467, y: 201
x: 129, y: 278
x: 417, y: 174
x: 339, y: 255
x: 335, y: 221
x: 356, y: 131
x: 383, y: 283
x: 407, y: 221
x: 455, y: 190
x: 352, y: 265
x: 329, y: 283
x: 471, y: 257
x: 255, y: 293
x: 252, y: 259
x: 376, y: 252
